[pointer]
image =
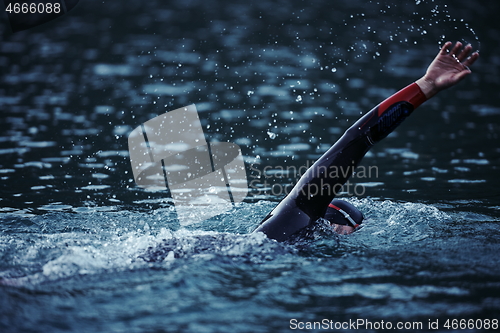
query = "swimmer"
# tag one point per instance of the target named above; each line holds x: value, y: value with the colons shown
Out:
x: 312, y: 196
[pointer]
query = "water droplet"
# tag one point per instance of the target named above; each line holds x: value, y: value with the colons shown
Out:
x: 272, y: 135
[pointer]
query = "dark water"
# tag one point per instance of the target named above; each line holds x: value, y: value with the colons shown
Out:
x: 282, y: 79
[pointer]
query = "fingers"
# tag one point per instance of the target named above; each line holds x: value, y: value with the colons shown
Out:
x: 455, y: 50
x: 460, y: 76
x: 461, y: 54
x: 464, y: 53
x: 444, y: 49
x: 469, y: 61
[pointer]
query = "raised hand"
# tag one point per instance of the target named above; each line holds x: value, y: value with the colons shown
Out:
x: 448, y: 68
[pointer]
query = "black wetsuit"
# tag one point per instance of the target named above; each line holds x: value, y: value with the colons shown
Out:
x: 310, y: 197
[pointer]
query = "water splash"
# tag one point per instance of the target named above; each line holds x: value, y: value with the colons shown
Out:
x: 405, y: 24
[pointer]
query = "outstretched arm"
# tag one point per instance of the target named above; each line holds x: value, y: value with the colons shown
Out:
x: 310, y: 197
x: 447, y: 69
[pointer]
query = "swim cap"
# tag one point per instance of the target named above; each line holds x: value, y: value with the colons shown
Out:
x: 343, y: 213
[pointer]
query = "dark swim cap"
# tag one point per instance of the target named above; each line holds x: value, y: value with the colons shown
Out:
x: 343, y: 213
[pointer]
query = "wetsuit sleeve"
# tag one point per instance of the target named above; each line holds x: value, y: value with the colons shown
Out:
x: 310, y: 197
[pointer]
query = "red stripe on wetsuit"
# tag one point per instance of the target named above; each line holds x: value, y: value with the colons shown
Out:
x: 412, y: 94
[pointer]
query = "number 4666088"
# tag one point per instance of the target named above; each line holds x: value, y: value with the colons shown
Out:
x: 472, y: 324
x: 34, y: 8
